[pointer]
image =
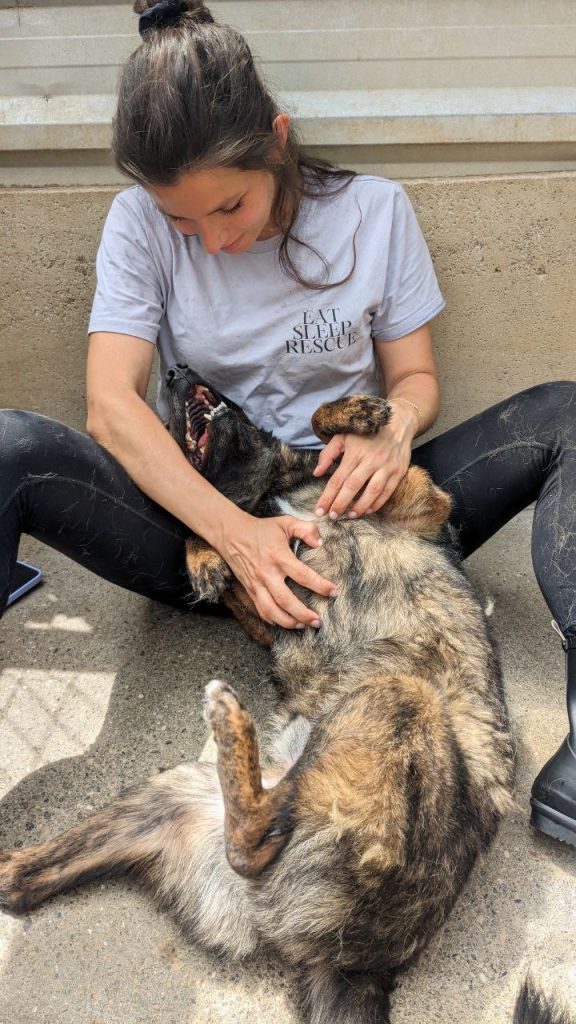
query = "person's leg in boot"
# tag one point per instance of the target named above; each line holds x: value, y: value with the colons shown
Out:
x: 554, y: 791
x: 520, y: 451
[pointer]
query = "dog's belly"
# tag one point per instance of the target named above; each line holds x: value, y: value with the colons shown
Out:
x: 400, y: 602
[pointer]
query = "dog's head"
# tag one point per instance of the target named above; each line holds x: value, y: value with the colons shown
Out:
x: 217, y: 437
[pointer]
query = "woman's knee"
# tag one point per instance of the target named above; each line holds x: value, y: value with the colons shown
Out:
x: 553, y: 406
x: 18, y: 428
x: 23, y: 439
x: 558, y: 395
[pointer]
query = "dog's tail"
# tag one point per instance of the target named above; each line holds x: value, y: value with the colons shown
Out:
x: 329, y: 996
x: 533, y: 1007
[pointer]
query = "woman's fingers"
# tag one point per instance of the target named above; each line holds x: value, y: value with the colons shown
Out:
x: 299, y: 571
x: 340, y: 479
x: 376, y: 493
x: 293, y: 569
x: 311, y: 580
x: 302, y: 530
x: 285, y: 605
x: 342, y: 488
x: 329, y: 454
x: 274, y: 615
x: 276, y: 604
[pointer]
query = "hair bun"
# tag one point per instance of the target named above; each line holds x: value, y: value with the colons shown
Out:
x: 158, y: 13
x: 198, y: 11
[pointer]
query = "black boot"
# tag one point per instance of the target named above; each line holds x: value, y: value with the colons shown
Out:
x: 554, y: 791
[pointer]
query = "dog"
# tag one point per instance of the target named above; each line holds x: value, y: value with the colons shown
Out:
x: 391, y: 764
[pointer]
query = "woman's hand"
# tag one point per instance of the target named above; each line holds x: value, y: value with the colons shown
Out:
x: 371, y: 467
x: 260, y: 557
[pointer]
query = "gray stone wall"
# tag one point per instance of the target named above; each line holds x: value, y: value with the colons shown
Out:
x: 504, y: 250
x: 422, y: 87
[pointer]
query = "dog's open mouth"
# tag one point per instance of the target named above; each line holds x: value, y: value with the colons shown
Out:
x: 200, y: 409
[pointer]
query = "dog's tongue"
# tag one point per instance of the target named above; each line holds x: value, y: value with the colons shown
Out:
x: 203, y: 440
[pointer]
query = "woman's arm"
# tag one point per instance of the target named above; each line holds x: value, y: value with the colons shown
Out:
x: 376, y: 465
x: 257, y: 550
x: 409, y: 374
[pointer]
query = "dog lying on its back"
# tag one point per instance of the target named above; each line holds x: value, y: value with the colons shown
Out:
x: 391, y: 766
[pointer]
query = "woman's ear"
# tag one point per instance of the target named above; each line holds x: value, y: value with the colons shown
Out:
x: 280, y: 126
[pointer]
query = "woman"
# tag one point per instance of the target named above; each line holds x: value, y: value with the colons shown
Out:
x: 285, y: 283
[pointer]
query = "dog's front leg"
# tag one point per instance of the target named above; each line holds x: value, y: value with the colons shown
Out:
x: 208, y: 573
x: 257, y: 821
x: 357, y: 414
x: 212, y: 580
x: 238, y: 601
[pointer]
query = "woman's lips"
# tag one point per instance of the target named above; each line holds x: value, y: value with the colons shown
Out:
x: 233, y: 245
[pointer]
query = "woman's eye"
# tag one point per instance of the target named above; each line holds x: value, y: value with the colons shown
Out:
x: 184, y: 220
x: 233, y: 208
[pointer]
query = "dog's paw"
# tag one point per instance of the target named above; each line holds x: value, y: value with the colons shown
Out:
x: 211, y: 583
x: 220, y: 704
x: 12, y: 898
x: 208, y: 573
x: 357, y: 414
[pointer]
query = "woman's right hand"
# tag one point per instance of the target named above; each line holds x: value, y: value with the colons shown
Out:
x: 260, y: 556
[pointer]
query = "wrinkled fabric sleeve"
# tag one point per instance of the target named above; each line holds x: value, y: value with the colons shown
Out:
x: 129, y: 297
x: 411, y: 296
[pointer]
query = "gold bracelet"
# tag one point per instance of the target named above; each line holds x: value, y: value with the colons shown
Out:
x: 419, y: 416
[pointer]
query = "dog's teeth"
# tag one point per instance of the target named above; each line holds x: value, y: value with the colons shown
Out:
x: 202, y: 450
x: 207, y: 416
x: 193, y: 445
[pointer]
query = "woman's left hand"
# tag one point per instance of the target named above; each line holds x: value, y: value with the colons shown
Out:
x: 373, y: 466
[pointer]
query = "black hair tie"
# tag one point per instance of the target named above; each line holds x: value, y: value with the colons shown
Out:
x: 166, y: 12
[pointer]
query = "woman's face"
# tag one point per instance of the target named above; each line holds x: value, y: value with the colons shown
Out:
x: 227, y: 208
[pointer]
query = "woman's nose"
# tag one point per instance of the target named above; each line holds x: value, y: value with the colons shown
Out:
x: 212, y: 239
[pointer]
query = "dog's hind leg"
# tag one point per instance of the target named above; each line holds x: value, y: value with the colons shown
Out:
x: 257, y: 821
x: 132, y: 833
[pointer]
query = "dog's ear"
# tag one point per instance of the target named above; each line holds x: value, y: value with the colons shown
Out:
x: 418, y: 505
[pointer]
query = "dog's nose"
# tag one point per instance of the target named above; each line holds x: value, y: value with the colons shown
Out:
x: 179, y: 370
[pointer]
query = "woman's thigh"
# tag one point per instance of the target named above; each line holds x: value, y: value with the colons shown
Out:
x: 498, y: 462
x: 63, y: 488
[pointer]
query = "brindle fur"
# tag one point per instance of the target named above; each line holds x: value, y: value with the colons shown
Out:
x: 390, y: 768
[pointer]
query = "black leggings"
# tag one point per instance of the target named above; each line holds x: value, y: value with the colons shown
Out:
x: 64, y: 489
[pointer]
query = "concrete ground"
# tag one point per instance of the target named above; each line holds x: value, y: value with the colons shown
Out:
x: 99, y: 688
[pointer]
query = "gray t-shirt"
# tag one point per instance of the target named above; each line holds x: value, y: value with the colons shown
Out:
x: 276, y: 348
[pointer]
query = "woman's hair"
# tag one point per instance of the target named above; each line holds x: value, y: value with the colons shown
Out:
x: 191, y: 98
